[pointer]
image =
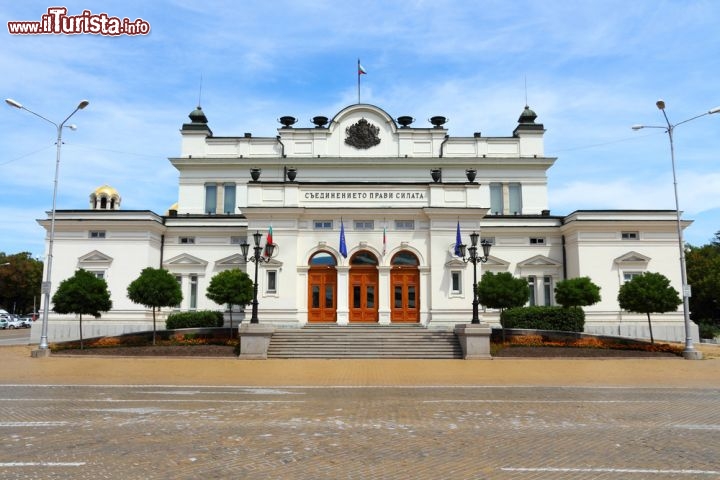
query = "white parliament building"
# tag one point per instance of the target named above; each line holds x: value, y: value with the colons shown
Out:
x: 397, y: 192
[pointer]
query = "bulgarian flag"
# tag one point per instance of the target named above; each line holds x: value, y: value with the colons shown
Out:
x: 384, y: 242
x: 361, y: 69
x: 269, y: 241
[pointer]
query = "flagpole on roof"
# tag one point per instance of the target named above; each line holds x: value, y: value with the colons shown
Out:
x: 358, y: 74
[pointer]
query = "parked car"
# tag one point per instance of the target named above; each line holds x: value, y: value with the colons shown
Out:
x: 26, y: 321
x: 12, y: 322
x: 3, y: 323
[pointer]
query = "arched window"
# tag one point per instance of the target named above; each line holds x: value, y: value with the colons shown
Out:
x: 323, y: 259
x: 363, y: 258
x: 405, y: 259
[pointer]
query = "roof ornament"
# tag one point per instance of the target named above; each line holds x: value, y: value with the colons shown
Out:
x: 362, y: 134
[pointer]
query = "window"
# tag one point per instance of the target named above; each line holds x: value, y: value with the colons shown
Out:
x: 323, y: 224
x: 193, y: 291
x: 98, y: 274
x: 187, y: 240
x: 96, y: 234
x: 627, y: 276
x: 547, y: 290
x: 210, y: 198
x: 404, y: 224
x: 496, y: 198
x: 364, y: 224
x: 490, y: 240
x: 456, y: 282
x: 237, y: 240
x: 229, y: 199
x: 531, y: 286
x: 271, y: 281
x: 515, y: 200
x: 537, y: 241
x: 629, y: 235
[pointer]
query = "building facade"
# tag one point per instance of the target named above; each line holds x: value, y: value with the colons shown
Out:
x: 364, y: 210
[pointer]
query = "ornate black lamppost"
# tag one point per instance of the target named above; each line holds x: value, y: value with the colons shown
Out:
x: 474, y: 258
x: 257, y: 257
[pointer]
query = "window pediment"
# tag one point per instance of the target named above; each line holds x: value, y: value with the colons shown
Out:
x: 95, y: 259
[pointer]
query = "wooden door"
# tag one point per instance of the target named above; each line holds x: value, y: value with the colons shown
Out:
x: 322, y: 295
x: 404, y: 295
x: 363, y: 295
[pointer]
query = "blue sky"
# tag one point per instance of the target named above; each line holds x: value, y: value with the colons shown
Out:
x: 593, y: 69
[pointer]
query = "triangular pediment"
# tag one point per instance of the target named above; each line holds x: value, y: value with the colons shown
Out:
x: 540, y: 261
x: 95, y: 258
x: 184, y: 260
x: 234, y: 260
x: 632, y: 257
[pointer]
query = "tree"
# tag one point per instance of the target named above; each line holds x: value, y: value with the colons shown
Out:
x: 83, y: 293
x: 155, y: 288
x: 577, y: 292
x: 502, y: 291
x: 703, y: 273
x: 20, y: 281
x: 230, y: 287
x: 649, y: 293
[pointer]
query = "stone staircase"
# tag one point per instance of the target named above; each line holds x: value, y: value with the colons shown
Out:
x: 368, y: 341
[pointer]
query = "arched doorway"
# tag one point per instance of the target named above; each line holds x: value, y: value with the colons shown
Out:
x: 322, y: 288
x: 363, y: 287
x: 404, y: 288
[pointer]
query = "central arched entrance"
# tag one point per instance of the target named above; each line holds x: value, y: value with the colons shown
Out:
x: 404, y: 288
x: 363, y: 293
x: 322, y: 288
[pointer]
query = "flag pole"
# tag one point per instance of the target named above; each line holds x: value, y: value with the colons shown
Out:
x: 358, y: 75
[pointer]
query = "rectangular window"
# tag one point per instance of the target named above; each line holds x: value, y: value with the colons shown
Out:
x: 537, y: 241
x: 96, y: 234
x: 496, y: 199
x: 193, y: 291
x: 456, y: 282
x: 490, y: 240
x: 531, y: 287
x: 627, y: 276
x: 271, y: 281
x: 187, y: 240
x: 364, y: 224
x: 411, y: 296
x: 323, y: 224
x: 547, y: 290
x: 356, y: 296
x: 210, y: 198
x: 515, y: 200
x: 404, y: 224
x: 398, y: 296
x: 329, y: 294
x: 630, y: 235
x: 316, y: 296
x: 237, y: 240
x: 229, y: 199
x: 98, y: 274
x: 370, y: 296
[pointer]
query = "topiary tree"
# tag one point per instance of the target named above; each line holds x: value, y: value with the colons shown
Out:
x: 502, y: 291
x: 83, y: 293
x: 155, y: 288
x: 577, y: 292
x: 230, y: 287
x: 649, y: 293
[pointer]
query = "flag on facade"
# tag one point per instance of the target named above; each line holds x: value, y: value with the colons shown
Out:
x: 269, y: 241
x: 458, y: 240
x: 343, y: 246
x: 384, y: 242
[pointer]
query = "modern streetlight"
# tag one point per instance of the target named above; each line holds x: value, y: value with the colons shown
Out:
x: 46, y: 286
x: 474, y: 258
x: 689, y: 353
x: 257, y: 257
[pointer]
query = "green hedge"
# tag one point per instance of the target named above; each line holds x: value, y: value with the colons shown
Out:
x: 544, y: 318
x: 708, y: 330
x: 201, y: 319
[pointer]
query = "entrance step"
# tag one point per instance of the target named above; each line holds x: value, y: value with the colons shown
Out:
x: 364, y: 342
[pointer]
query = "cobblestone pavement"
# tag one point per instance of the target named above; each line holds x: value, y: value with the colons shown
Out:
x: 154, y: 418
x: 162, y: 432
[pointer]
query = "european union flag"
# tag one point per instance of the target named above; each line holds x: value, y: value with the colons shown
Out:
x: 458, y: 240
x: 343, y: 246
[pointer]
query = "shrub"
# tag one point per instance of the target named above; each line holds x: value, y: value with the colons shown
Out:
x: 545, y: 318
x: 201, y: 319
x: 708, y: 330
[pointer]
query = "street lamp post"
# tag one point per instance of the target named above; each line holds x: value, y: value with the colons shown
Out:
x: 689, y: 352
x: 46, y: 286
x: 474, y: 258
x: 257, y: 257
